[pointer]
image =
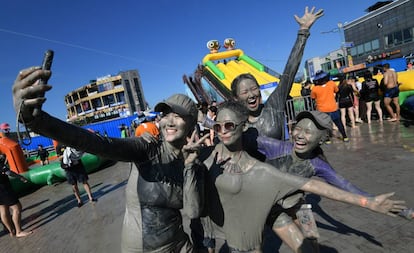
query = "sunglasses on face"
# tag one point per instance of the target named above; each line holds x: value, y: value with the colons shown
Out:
x: 228, y: 126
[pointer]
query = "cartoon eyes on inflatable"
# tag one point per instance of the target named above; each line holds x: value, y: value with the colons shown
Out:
x: 213, y: 45
x: 229, y: 43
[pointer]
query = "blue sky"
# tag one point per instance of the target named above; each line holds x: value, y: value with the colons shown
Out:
x: 162, y: 39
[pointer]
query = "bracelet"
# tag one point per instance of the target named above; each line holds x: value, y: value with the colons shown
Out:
x: 363, y: 202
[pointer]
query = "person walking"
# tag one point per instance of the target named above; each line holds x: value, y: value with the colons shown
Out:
x: 324, y: 93
x: 356, y: 85
x: 76, y: 172
x: 346, y: 102
x: 370, y: 94
x: 9, y: 200
x: 43, y: 154
x: 391, y: 93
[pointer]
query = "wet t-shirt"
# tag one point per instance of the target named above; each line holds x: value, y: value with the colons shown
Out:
x: 246, y: 199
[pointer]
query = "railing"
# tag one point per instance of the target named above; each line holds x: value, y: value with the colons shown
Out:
x: 296, y: 105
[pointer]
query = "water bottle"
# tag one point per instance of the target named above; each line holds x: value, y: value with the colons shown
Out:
x: 407, y: 213
x: 307, y: 221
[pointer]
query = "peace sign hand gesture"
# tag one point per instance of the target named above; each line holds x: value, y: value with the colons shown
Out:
x: 190, y: 150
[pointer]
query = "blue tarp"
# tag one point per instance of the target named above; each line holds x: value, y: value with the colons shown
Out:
x: 110, y: 127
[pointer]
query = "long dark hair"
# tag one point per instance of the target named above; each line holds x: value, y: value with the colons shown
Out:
x: 368, y: 75
x: 235, y: 83
x: 343, y: 84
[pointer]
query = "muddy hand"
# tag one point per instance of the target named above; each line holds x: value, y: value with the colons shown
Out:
x: 27, y: 93
x: 383, y: 204
x: 308, y: 18
x: 190, y: 150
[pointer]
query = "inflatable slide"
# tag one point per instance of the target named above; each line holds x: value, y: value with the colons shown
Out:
x: 219, y: 69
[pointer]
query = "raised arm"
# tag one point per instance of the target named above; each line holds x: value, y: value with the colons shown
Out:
x: 286, y: 80
x: 380, y: 204
x: 193, y: 186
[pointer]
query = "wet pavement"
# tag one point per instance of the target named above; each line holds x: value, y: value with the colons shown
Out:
x: 379, y: 158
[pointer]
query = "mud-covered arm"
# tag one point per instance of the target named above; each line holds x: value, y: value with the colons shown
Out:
x: 194, y: 171
x: 380, y: 203
x: 305, y: 22
x: 15, y: 175
x: 325, y: 171
x: 193, y: 189
x: 272, y: 148
x: 119, y: 149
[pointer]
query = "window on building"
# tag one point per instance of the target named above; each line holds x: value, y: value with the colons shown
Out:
x: 72, y: 111
x: 408, y: 35
x: 120, y: 97
x: 367, y: 47
x: 78, y: 108
x: 108, y: 99
x: 83, y: 94
x: 353, y: 51
x: 389, y: 40
x: 75, y: 97
x: 86, y: 106
x: 327, y: 66
x: 360, y: 49
x: 93, y: 89
x: 398, y: 39
x: 341, y: 62
x: 375, y: 45
x: 96, y: 102
x: 105, y: 86
x: 117, y: 82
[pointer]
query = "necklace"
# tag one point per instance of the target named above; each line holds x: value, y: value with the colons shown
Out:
x: 231, y: 164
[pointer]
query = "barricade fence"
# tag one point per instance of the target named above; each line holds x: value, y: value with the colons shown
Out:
x: 296, y: 105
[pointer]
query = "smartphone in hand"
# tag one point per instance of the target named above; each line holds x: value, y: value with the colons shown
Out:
x: 46, y: 65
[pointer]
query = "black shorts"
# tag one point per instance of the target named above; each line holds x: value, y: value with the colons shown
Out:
x: 392, y: 93
x: 8, y: 196
x: 76, y: 173
x: 346, y: 103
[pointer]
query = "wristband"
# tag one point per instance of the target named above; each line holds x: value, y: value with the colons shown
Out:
x: 363, y: 202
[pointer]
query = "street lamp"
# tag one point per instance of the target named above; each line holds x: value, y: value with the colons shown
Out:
x: 339, y: 29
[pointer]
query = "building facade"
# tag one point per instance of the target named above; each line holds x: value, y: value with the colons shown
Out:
x: 107, y: 97
x: 386, y: 32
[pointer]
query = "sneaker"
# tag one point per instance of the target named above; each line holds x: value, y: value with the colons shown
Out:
x: 80, y: 204
x: 346, y: 139
x: 358, y: 121
x: 94, y: 200
x: 328, y: 142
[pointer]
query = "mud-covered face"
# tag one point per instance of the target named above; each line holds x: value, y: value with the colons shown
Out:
x: 229, y: 128
x: 249, y: 94
x: 306, y: 136
x: 174, y: 128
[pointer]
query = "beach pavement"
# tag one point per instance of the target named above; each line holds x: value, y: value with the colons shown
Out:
x: 379, y: 158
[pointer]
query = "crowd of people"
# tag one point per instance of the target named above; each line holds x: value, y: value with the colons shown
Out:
x: 350, y: 102
x: 208, y: 161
